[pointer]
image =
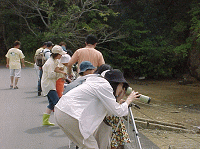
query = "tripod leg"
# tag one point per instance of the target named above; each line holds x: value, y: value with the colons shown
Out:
x: 128, y: 121
x: 134, y: 126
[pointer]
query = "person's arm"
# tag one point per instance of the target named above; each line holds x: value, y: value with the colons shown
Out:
x: 72, y: 61
x: 69, y: 69
x: 7, y: 62
x: 133, y: 96
x: 101, y: 60
x: 105, y: 94
x: 21, y: 55
x: 22, y: 61
x: 58, y: 70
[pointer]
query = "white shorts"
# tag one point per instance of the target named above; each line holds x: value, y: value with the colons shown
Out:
x: 15, y: 72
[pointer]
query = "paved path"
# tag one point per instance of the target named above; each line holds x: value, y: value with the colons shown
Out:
x: 21, y: 113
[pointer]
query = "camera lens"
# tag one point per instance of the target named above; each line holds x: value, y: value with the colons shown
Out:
x: 145, y: 99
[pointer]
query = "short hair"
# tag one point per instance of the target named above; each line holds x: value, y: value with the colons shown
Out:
x: 54, y: 55
x: 62, y: 43
x: 49, y: 44
x: 44, y: 44
x: 91, y: 39
x: 16, y: 43
x: 102, y: 68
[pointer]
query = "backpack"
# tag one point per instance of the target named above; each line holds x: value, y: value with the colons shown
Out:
x: 40, y: 59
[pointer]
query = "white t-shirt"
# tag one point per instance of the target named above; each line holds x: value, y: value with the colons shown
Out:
x: 47, y: 53
x: 14, y: 55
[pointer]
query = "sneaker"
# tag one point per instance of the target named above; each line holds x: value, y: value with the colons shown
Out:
x: 15, y: 87
x: 11, y: 86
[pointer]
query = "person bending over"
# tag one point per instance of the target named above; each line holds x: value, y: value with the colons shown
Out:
x: 81, y: 110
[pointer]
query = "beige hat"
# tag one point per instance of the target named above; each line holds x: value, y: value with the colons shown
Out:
x: 58, y: 49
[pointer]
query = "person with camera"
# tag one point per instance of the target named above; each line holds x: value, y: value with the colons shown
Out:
x: 81, y: 110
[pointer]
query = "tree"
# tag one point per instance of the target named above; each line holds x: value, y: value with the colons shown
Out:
x: 66, y: 20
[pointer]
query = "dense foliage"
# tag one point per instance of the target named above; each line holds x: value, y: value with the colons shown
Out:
x: 140, y: 37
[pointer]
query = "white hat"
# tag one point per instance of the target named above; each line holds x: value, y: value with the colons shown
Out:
x: 65, y: 58
x: 58, y: 49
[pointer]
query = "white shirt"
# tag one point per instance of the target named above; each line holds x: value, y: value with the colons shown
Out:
x: 14, y: 55
x: 47, y: 53
x: 90, y: 102
x: 49, y: 76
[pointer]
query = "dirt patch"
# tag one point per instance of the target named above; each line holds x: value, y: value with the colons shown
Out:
x: 171, y: 103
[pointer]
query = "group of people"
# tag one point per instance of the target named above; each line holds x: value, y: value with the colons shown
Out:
x: 89, y: 108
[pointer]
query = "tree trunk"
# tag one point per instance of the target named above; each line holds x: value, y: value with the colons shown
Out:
x: 194, y: 61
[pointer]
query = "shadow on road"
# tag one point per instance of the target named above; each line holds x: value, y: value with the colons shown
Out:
x: 41, y: 129
x: 31, y: 92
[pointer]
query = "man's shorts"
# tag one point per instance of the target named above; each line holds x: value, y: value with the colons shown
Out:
x: 15, y: 72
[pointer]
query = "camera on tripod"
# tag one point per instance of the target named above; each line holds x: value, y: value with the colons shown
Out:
x: 142, y: 98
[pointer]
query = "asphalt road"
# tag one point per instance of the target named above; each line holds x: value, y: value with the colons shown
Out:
x: 21, y: 113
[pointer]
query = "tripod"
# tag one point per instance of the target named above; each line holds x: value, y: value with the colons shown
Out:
x: 134, y: 125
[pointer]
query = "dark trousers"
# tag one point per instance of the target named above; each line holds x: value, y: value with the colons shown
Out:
x: 39, y: 81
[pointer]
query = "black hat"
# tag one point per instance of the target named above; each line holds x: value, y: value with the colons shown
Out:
x: 115, y: 75
x: 49, y: 44
x: 44, y: 44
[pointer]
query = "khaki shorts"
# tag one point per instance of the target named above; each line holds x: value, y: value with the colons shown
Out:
x: 15, y: 72
x: 70, y: 126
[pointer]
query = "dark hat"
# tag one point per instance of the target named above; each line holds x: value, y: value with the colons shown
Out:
x: 115, y: 75
x: 85, y: 65
x: 44, y: 44
x: 49, y: 44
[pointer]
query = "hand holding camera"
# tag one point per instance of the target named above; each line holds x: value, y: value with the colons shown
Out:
x: 142, y: 98
x: 133, y: 96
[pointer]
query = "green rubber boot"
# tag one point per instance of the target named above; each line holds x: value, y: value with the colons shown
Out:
x: 46, y: 120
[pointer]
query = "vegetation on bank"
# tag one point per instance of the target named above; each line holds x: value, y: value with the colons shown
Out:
x: 141, y: 37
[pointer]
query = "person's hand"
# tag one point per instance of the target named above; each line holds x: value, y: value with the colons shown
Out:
x: 68, y: 80
x: 133, y: 96
x: 7, y: 65
x: 23, y: 65
x: 61, y: 68
x: 70, y: 76
x: 122, y: 101
x: 57, y: 69
x: 64, y: 78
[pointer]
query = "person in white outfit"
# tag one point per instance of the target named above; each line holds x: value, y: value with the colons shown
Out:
x: 48, y: 82
x: 80, y: 111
